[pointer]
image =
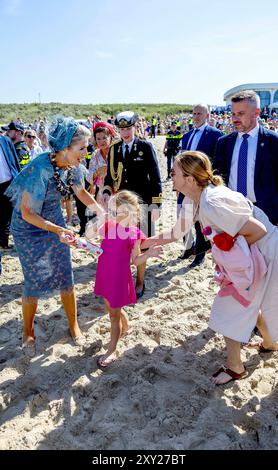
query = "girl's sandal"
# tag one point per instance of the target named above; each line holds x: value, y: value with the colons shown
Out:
x: 104, y: 363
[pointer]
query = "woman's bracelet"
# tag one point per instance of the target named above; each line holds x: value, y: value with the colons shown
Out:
x: 47, y: 224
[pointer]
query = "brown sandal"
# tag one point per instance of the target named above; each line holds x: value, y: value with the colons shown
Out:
x: 260, y: 348
x: 234, y: 375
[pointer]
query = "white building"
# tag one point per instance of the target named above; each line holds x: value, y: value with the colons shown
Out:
x: 268, y: 93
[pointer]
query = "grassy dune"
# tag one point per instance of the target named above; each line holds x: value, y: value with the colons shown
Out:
x: 29, y: 112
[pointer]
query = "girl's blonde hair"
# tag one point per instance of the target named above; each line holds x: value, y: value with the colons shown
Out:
x: 129, y: 203
x: 197, y: 164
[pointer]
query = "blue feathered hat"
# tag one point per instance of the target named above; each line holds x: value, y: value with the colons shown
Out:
x: 61, y: 132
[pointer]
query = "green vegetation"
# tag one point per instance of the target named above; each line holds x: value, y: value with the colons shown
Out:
x: 29, y: 112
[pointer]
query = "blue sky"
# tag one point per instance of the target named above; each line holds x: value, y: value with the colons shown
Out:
x: 107, y: 51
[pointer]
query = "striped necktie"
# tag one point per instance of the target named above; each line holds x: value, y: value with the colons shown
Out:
x: 242, y: 166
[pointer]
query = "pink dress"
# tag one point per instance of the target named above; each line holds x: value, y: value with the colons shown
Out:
x: 113, y: 277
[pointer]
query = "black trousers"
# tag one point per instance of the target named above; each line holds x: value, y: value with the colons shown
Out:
x: 6, y: 210
x: 146, y: 224
x: 81, y: 210
x: 201, y: 244
x: 152, y: 131
x: 170, y: 159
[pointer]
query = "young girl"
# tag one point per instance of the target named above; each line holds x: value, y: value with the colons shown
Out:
x: 120, y: 244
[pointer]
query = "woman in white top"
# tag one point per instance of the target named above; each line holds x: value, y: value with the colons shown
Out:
x: 216, y: 206
x: 31, y: 140
x: 103, y: 134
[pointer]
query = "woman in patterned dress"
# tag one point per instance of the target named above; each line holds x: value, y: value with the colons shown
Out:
x: 38, y: 226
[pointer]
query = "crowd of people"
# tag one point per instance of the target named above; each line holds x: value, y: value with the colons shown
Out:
x: 224, y: 168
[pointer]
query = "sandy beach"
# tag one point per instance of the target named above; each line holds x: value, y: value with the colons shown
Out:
x: 157, y: 395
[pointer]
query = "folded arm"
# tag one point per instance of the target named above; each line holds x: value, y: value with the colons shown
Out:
x: 253, y: 230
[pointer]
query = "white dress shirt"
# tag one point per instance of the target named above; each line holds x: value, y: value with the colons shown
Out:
x: 129, y: 147
x: 251, y: 160
x: 34, y: 152
x: 193, y: 144
x: 5, y: 174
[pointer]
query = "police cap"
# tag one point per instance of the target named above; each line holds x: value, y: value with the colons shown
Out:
x: 13, y: 126
x: 126, y: 119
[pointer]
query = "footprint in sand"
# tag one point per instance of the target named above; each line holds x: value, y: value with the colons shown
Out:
x: 5, y: 334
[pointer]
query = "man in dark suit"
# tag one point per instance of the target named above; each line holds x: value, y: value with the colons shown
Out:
x: 248, y: 158
x: 203, y: 138
x: 132, y: 165
x: 9, y: 168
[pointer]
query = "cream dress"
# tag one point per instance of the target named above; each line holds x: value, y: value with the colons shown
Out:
x: 225, y: 210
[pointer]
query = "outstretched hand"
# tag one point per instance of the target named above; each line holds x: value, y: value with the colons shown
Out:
x: 155, y: 251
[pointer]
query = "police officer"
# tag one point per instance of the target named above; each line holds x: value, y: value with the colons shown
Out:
x: 153, y: 126
x: 132, y: 165
x: 15, y: 132
x: 88, y: 157
x: 172, y: 146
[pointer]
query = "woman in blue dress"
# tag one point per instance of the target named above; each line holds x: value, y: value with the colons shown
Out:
x: 38, y: 226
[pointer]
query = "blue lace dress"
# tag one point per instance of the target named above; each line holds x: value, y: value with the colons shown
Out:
x: 45, y: 261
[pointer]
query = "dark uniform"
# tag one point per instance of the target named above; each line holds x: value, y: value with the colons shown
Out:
x: 23, y: 153
x: 173, y: 140
x: 139, y: 172
x: 80, y: 207
x: 153, y: 126
x: 88, y: 157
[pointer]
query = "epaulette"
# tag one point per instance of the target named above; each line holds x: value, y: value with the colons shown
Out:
x: 157, y: 199
x: 115, y: 142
